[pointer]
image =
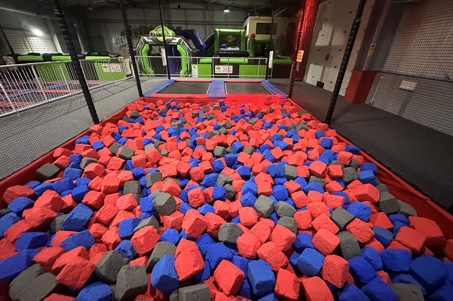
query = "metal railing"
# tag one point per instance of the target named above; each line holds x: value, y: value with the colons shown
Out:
x: 202, y: 67
x: 27, y: 85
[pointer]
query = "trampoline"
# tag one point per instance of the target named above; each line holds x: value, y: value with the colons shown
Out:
x: 187, y: 87
x: 246, y: 88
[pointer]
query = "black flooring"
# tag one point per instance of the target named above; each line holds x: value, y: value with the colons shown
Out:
x: 245, y: 88
x: 187, y: 88
x: 418, y: 154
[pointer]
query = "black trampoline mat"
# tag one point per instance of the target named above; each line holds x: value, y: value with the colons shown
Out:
x: 186, y: 88
x: 245, y: 88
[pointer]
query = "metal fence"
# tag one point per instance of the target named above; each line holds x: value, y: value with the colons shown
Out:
x: 27, y: 85
x: 202, y: 67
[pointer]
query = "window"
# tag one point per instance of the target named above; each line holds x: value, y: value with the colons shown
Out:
x: 265, y: 28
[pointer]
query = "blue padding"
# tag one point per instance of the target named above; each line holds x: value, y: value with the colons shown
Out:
x: 159, y: 88
x: 274, y: 90
x: 217, y: 89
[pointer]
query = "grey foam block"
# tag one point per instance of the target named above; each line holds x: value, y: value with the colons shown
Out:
x: 114, y: 147
x: 130, y: 282
x: 164, y: 203
x: 56, y: 223
x: 216, y: 107
x: 354, y: 164
x: 253, y: 121
x: 284, y: 209
x: 212, y: 116
x: 86, y: 160
x: 223, y: 179
x: 164, y: 110
x: 283, y: 111
x: 24, y: 279
x: 108, y: 266
x: 230, y: 192
x: 205, y: 109
x: 264, y: 206
x: 149, y: 146
x: 174, y: 296
x: 288, y: 222
x: 223, y: 131
x: 229, y: 150
x: 160, y: 249
x: 219, y: 151
x: 341, y: 217
x: 349, y: 246
x: 349, y: 175
x: 227, y: 125
x: 301, y: 112
x: 195, y: 114
x: 290, y: 172
x: 213, y: 133
x: 138, y: 197
x: 126, y: 153
x: 157, y: 143
x: 390, y: 206
x: 229, y: 232
x: 385, y: 195
x: 164, y: 152
x: 134, y: 114
x: 314, y: 179
x: 406, y: 209
x: 382, y: 187
x: 407, y: 292
x: 132, y: 187
x: 301, y: 126
x: 152, y: 178
x: 46, y: 172
x: 125, y: 118
x: 249, y: 149
x: 42, y: 286
x: 335, y: 162
x: 150, y: 221
x: 4, y: 211
x: 178, y: 124
x: 291, y: 126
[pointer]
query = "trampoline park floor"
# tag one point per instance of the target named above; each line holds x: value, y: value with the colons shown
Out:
x: 418, y: 154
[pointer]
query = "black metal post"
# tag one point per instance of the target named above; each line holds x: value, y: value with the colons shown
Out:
x: 270, y: 41
x: 163, y: 37
x: 294, y: 63
x: 75, y: 61
x: 344, y: 63
x: 131, y: 50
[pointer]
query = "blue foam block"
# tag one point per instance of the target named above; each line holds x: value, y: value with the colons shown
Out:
x: 31, y: 240
x: 261, y: 277
x: 310, y: 262
x: 138, y: 173
x: 378, y: 290
x: 280, y: 192
x: 97, y: 145
x: 219, y: 193
x: 352, y: 293
x: 231, y: 159
x: 398, y: 218
x: 72, y: 173
x: 205, y: 209
x: 77, y: 218
x: 293, y: 260
x: 76, y: 158
x: 373, y: 257
x: 204, y: 242
x: 361, y: 270
x: 353, y: 149
x: 313, y: 186
x: 126, y: 227
x: 367, y: 177
x: 204, y: 274
x: 408, y: 279
x: 449, y: 267
x: 184, y: 207
x: 7, y: 221
x: 146, y: 203
x: 210, y: 180
x: 245, y: 290
x: 33, y: 184
x: 326, y: 143
x: 241, y: 263
x: 368, y: 166
x: 126, y: 249
x: 249, y: 186
x: 96, y: 291
x: 360, y: 210
x: 40, y: 189
x: 280, y: 181
x: 14, y: 265
x: 429, y: 271
x: 442, y: 294
x: 82, y: 181
x: 244, y: 172
x: 396, y: 260
x: 303, y: 240
x: 20, y: 204
x: 276, y: 170
x: 216, y: 253
x: 384, y: 236
x: 79, y: 192
x: 63, y: 185
x: 248, y: 199
x: 218, y: 165
x: 83, y: 140
x: 268, y: 297
x: 237, y: 147
x: 80, y: 239
x: 171, y: 236
x: 164, y: 276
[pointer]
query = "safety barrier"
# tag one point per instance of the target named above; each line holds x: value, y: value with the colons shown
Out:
x: 202, y: 67
x: 27, y: 85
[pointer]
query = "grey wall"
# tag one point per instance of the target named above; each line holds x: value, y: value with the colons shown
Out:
x: 416, y: 44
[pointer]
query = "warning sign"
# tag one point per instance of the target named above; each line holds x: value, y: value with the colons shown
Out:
x: 194, y: 70
x: 223, y: 69
x: 111, y: 67
x: 300, y: 54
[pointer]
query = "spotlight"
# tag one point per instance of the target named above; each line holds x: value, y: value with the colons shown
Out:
x: 37, y: 32
x: 226, y: 10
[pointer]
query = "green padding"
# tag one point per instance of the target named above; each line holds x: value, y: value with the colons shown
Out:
x: 52, y: 72
x: 205, y: 61
x: 145, y: 61
x: 234, y: 60
x: 252, y: 71
x: 204, y: 70
x: 282, y: 61
x: 95, y: 57
x: 60, y: 58
x: 184, y: 60
x: 30, y: 58
x: 109, y: 71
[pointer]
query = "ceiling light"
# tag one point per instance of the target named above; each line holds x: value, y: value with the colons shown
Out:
x: 37, y: 32
x: 226, y: 10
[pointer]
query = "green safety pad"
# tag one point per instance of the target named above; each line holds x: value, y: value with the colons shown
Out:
x: 234, y: 60
x: 252, y: 71
x: 204, y: 70
x: 52, y: 71
x: 110, y: 71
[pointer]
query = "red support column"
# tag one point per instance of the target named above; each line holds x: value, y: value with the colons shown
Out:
x: 306, y: 32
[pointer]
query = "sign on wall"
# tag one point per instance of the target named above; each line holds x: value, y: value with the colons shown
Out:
x: 194, y: 70
x: 111, y: 68
x: 223, y: 69
x: 300, y: 54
